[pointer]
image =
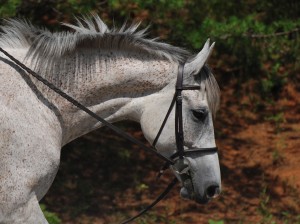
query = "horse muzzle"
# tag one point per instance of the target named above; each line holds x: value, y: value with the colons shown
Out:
x: 195, y: 185
x: 211, y: 192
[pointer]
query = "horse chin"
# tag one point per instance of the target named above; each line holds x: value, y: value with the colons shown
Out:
x: 203, y: 200
x: 200, y: 200
x: 184, y: 193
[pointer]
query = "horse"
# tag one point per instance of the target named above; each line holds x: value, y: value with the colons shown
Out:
x: 119, y: 74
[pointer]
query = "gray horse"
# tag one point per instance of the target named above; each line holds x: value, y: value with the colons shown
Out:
x: 117, y: 73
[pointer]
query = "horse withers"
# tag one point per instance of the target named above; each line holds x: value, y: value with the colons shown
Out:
x: 119, y: 75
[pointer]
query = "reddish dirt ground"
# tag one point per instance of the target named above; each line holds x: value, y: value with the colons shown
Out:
x: 105, y: 179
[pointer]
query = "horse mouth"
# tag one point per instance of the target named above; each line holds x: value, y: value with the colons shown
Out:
x: 210, y: 194
x: 184, y: 193
x: 200, y: 200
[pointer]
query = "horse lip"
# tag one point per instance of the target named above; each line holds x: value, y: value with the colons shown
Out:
x: 200, y: 200
x: 184, y: 193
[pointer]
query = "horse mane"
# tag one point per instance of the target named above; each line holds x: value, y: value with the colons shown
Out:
x: 89, y: 33
x: 47, y: 50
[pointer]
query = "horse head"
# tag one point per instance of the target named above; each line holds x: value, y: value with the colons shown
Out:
x: 198, y: 170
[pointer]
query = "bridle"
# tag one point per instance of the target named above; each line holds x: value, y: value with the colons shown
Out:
x: 181, y: 165
x: 177, y: 99
x: 177, y: 160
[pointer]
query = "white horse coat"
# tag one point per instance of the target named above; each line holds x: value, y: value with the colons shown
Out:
x: 118, y: 74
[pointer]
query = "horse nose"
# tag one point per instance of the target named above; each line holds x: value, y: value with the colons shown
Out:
x: 212, y: 191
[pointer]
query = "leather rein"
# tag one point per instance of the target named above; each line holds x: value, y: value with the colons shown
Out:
x: 177, y: 160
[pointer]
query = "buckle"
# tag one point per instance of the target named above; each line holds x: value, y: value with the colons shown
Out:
x: 181, y: 167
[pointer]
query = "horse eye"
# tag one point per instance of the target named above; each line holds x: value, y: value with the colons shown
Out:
x: 200, y: 114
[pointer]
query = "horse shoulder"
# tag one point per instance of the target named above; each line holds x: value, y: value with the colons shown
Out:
x: 30, y: 140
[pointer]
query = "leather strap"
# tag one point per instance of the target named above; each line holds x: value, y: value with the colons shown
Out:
x: 177, y: 99
x: 164, y: 121
x: 85, y: 109
x: 196, y: 150
x: 178, y: 113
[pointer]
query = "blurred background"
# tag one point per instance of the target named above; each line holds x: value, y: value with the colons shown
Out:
x: 105, y: 179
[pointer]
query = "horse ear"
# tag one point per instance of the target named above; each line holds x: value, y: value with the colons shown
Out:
x: 194, y: 65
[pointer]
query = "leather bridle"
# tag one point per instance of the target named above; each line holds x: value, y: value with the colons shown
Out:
x: 181, y: 165
x: 177, y: 160
x: 177, y: 99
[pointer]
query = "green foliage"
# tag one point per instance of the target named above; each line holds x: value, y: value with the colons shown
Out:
x: 289, y: 218
x: 277, y: 157
x: 51, y: 217
x: 82, y: 6
x: 256, y: 40
x: 264, y: 209
x: 9, y: 7
x: 253, y: 33
x: 277, y: 120
x: 215, y: 221
x: 252, y: 42
x: 273, y: 82
x: 162, y: 217
x: 143, y: 4
x: 141, y: 187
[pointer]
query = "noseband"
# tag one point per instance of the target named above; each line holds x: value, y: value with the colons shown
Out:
x: 177, y: 160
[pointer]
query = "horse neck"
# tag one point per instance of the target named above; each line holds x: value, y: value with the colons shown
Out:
x: 113, y: 89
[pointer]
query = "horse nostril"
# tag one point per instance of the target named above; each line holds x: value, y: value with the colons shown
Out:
x: 212, y: 191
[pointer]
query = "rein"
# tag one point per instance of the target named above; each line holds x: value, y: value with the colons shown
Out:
x: 177, y: 160
x: 85, y: 109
